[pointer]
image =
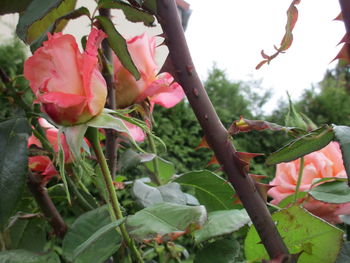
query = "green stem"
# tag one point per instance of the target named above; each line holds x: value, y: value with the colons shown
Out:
x: 155, y: 175
x: 92, y: 135
x: 300, y: 176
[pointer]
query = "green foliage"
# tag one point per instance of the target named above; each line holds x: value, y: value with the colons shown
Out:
x: 163, y: 219
x: 20, y: 256
x: 13, y: 165
x: 210, y: 189
x: 92, y: 237
x: 301, y: 231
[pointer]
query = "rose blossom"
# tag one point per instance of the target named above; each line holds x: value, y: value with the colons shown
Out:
x: 67, y: 83
x: 326, y: 162
x: 160, y: 89
x: 42, y: 164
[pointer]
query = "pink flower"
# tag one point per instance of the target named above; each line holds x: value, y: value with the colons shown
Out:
x: 326, y: 162
x: 160, y: 89
x: 42, y: 164
x: 66, y: 82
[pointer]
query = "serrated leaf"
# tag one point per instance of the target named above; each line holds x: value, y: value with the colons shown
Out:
x: 221, y: 223
x: 20, y: 256
x: 131, y: 13
x: 93, y: 234
x: 342, y: 135
x: 14, y: 134
x: 119, y: 46
x: 310, y: 142
x: 35, y: 21
x: 10, y: 6
x: 210, y: 190
x: 335, y: 192
x: 148, y: 195
x: 166, y: 169
x: 221, y: 251
x: 57, y: 25
x: 163, y: 219
x: 301, y: 231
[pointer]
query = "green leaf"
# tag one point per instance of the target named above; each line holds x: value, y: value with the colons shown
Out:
x: 20, y: 256
x: 342, y: 135
x: 221, y: 223
x: 301, y: 231
x: 29, y: 234
x: 10, y: 6
x: 150, y: 5
x: 162, y: 219
x: 335, y: 192
x: 295, y: 119
x: 147, y: 195
x: 344, y: 255
x: 92, y: 238
x: 131, y: 13
x: 166, y: 169
x: 40, y: 15
x: 221, y: 251
x: 211, y: 190
x: 119, y: 46
x: 57, y: 26
x: 13, y: 165
x: 313, y: 141
x: 106, y: 121
x: 290, y: 199
x: 90, y: 242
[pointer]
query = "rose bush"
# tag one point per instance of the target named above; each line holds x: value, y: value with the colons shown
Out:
x: 160, y: 89
x: 67, y: 83
x: 324, y: 163
x: 42, y: 164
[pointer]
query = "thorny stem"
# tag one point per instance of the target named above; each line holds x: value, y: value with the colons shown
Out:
x: 155, y: 176
x: 300, y: 176
x: 111, y: 143
x: 46, y: 205
x: 215, y: 133
x: 92, y: 135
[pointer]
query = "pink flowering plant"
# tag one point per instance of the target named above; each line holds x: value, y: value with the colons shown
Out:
x: 82, y: 173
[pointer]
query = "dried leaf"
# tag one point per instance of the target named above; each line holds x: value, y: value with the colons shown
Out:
x: 292, y: 17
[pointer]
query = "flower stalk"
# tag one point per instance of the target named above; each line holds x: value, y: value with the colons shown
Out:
x: 92, y: 135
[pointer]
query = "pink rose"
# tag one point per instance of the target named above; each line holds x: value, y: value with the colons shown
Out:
x: 326, y: 162
x: 43, y: 164
x: 67, y: 83
x: 160, y: 89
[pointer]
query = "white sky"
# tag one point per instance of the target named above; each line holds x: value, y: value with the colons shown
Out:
x: 233, y: 32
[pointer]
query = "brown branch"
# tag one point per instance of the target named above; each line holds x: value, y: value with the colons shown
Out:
x: 111, y: 144
x: 345, y: 10
x: 215, y: 133
x: 46, y: 205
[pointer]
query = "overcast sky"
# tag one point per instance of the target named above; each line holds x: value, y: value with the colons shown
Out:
x: 233, y: 32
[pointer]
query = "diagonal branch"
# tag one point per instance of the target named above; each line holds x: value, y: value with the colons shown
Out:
x: 46, y: 205
x: 215, y: 133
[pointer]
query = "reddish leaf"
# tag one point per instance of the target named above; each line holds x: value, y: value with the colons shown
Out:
x: 245, y: 125
x: 292, y: 17
x: 261, y: 64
